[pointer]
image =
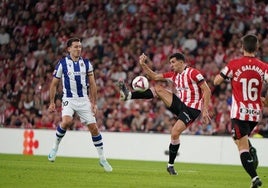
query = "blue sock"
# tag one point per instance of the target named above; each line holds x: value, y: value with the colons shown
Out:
x: 59, y: 135
x: 97, y: 141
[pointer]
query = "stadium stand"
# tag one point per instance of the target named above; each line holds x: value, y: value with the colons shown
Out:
x: 114, y: 33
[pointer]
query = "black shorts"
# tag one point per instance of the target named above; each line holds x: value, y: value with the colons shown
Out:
x: 183, y: 112
x: 242, y: 128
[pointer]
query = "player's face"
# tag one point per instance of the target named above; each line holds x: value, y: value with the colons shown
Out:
x: 75, y: 49
x: 176, y: 65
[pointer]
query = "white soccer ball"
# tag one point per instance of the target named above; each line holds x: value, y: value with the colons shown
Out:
x: 140, y: 83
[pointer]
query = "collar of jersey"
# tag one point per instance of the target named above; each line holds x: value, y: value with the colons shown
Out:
x: 69, y: 57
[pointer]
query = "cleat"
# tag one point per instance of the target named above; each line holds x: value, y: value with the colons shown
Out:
x: 107, y: 167
x: 52, y: 155
x: 256, y: 183
x: 124, y: 92
x: 172, y: 171
x: 253, y: 153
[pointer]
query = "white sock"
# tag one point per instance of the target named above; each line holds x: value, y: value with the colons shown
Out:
x: 56, y: 143
x: 253, y: 179
x: 101, y: 153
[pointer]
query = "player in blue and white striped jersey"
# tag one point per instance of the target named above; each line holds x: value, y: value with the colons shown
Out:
x: 79, y: 96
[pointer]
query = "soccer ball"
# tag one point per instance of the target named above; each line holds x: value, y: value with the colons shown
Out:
x: 140, y: 83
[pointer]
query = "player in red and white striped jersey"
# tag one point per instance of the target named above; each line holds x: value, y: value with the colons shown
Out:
x: 247, y: 75
x: 186, y: 85
x: 191, y: 97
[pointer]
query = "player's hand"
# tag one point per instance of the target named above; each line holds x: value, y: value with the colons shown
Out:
x: 205, y: 117
x: 142, y: 59
x: 94, y: 109
x: 264, y: 101
x: 52, y: 107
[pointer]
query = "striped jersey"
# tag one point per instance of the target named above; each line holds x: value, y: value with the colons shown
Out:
x: 74, y: 76
x: 247, y: 75
x: 187, y: 86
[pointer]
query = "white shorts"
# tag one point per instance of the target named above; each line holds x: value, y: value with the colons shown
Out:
x: 81, y: 106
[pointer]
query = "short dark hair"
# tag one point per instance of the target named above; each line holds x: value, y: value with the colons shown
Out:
x: 71, y: 40
x: 250, y: 43
x: 178, y: 56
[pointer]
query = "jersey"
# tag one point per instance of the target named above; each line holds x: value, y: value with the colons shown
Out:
x: 187, y: 86
x: 74, y: 76
x: 247, y: 75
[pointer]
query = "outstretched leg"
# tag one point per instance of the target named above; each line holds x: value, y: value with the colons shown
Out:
x: 125, y: 94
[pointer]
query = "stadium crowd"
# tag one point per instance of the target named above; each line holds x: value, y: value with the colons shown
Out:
x: 114, y: 33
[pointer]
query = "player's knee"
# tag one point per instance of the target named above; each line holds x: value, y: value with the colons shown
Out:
x: 175, y: 136
x: 177, y: 130
x: 66, y: 124
x: 158, y: 89
x: 93, y: 129
x: 67, y: 121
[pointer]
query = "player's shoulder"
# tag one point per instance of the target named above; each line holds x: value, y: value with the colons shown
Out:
x: 193, y: 70
x: 236, y: 60
x: 261, y: 62
x: 63, y: 60
x: 169, y: 74
x: 85, y: 60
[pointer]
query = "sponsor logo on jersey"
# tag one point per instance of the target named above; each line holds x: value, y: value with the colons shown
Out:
x: 249, y: 111
x: 76, y: 73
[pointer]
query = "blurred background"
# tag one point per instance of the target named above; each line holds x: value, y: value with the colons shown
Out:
x: 114, y: 33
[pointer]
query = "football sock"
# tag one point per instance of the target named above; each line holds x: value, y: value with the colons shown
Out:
x: 60, y: 132
x: 247, y: 163
x: 253, y: 179
x: 97, y: 141
x: 147, y: 94
x: 173, y: 150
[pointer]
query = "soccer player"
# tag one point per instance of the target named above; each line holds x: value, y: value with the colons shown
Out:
x: 78, y: 80
x: 191, y: 98
x: 246, y: 75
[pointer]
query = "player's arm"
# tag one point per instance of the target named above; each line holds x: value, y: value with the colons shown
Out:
x: 219, y: 78
x: 265, y: 98
x: 92, y: 90
x: 264, y: 101
x: 52, y: 93
x: 149, y: 72
x: 206, y: 100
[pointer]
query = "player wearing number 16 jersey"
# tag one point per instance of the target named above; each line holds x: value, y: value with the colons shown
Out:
x: 247, y: 75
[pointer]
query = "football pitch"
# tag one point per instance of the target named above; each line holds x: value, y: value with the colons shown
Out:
x: 21, y: 171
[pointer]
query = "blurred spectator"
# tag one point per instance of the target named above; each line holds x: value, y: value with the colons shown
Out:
x: 237, y: 27
x: 4, y: 36
x: 2, y: 112
x: 137, y: 123
x: 263, y: 128
x: 190, y: 43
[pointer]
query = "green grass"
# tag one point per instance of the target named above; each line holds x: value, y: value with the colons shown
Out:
x: 35, y: 171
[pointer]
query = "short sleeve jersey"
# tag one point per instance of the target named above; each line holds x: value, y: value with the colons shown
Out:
x: 74, y: 76
x: 247, y: 75
x: 187, y: 86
